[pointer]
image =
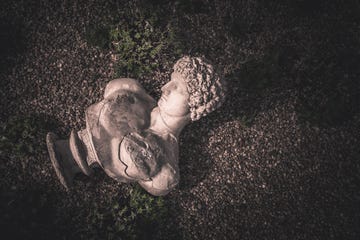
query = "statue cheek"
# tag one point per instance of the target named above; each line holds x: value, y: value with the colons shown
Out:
x: 182, y: 108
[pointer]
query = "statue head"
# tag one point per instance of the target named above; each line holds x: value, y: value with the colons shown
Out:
x: 195, y: 89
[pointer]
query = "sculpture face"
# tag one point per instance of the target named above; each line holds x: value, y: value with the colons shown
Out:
x: 175, y: 97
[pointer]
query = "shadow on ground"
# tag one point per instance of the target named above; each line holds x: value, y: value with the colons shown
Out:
x: 12, y: 43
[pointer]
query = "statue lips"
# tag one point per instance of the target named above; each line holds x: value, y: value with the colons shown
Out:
x: 162, y: 100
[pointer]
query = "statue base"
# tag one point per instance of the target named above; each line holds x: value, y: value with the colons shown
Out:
x: 68, y: 157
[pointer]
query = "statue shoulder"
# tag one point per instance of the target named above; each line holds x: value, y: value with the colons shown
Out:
x: 127, y: 84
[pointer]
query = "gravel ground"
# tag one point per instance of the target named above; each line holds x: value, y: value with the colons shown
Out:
x: 259, y: 168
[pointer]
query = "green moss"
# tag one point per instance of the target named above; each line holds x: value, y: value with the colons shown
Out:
x: 141, y: 45
x: 20, y: 135
x: 139, y: 216
x: 141, y: 38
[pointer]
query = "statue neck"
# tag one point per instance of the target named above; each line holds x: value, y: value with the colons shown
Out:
x: 164, y: 123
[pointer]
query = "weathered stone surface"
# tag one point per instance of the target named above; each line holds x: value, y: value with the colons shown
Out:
x: 130, y: 138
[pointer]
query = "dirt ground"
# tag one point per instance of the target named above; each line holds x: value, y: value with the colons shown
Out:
x: 279, y: 160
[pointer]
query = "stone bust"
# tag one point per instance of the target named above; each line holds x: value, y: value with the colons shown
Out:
x: 130, y: 137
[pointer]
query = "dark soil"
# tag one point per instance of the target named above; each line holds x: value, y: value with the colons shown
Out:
x: 280, y: 159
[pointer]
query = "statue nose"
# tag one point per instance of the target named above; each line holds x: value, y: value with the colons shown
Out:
x: 167, y: 87
x: 163, y: 88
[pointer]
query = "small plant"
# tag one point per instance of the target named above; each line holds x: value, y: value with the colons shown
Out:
x: 141, y: 40
x: 149, y: 207
x: 140, y: 45
x: 20, y: 136
x: 136, y: 217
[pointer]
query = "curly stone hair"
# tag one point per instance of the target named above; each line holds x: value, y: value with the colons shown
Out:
x: 206, y: 89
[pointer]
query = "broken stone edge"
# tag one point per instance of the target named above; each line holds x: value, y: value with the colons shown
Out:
x: 56, y: 161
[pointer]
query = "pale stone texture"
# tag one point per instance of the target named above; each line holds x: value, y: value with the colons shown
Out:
x: 130, y: 138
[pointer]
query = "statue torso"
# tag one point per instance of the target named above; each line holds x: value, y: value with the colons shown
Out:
x: 109, y: 121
